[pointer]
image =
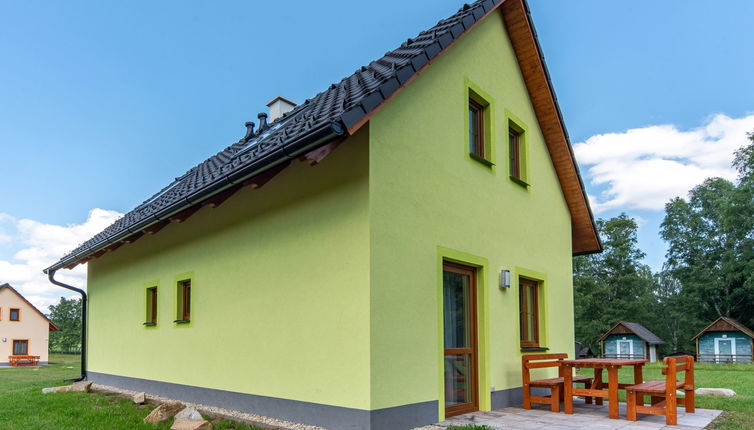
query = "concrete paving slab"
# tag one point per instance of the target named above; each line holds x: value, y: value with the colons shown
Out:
x: 584, y: 417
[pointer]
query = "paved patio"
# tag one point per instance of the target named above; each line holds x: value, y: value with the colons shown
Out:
x: 584, y: 417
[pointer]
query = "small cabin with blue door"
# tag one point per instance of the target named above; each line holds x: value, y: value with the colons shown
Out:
x: 724, y: 341
x: 629, y: 340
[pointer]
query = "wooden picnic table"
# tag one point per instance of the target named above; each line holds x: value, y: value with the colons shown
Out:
x: 596, y: 390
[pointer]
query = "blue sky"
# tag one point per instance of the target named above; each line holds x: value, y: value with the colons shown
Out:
x: 103, y: 103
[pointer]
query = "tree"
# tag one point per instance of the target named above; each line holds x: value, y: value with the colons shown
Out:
x: 614, y: 285
x: 67, y: 316
x: 711, y: 243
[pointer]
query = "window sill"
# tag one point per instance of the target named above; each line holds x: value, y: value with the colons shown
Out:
x: 182, y: 321
x: 482, y: 160
x: 519, y: 181
x: 534, y: 349
x: 150, y: 324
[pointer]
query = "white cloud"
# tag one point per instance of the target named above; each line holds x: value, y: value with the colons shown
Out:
x: 40, y: 245
x: 643, y: 168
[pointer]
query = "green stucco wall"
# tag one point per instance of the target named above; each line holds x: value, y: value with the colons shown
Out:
x: 429, y: 200
x: 279, y: 291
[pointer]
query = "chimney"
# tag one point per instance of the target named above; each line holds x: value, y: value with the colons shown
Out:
x: 279, y: 106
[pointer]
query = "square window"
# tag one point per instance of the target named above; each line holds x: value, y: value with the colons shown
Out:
x: 15, y: 314
x: 529, y: 313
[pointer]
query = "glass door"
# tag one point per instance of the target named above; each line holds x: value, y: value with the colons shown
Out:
x: 460, y: 337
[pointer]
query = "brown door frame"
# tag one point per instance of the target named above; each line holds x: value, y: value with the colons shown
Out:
x: 473, y: 350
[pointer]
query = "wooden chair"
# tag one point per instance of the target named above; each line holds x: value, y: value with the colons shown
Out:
x: 663, y: 393
x: 537, y: 361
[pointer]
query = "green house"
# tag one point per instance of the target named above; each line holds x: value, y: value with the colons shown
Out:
x: 377, y: 257
x: 725, y: 341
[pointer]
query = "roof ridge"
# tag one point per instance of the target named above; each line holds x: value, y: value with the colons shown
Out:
x: 342, y: 105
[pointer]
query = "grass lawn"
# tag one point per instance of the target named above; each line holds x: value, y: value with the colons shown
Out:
x: 738, y: 377
x: 24, y: 407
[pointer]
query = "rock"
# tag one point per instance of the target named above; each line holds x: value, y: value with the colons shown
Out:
x: 84, y: 386
x: 190, y: 425
x: 189, y: 414
x: 163, y: 412
x: 726, y: 392
x: 139, y: 398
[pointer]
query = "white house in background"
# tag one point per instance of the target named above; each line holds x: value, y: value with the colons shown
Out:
x: 24, y: 330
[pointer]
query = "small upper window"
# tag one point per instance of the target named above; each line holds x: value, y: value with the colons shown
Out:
x: 476, y: 129
x: 151, y: 306
x: 514, y: 143
x: 15, y: 314
x: 184, y: 301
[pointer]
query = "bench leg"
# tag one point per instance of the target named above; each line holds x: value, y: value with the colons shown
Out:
x: 689, y: 401
x: 671, y: 411
x: 587, y: 399
x: 631, y: 405
x: 527, y: 395
x: 555, y: 398
x: 597, y: 385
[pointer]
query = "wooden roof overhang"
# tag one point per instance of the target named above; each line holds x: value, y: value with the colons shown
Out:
x: 726, y: 324
x: 520, y: 28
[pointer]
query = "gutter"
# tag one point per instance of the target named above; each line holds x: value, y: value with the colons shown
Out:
x: 282, y: 154
x: 51, y: 277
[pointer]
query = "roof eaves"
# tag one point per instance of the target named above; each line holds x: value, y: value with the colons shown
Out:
x: 565, y: 130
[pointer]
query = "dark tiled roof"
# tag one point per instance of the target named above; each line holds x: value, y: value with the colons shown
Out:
x: 643, y: 333
x: 326, y: 115
x: 638, y: 330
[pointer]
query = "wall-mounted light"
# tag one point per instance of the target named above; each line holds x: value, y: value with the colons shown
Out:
x: 505, y: 278
x: 5, y: 339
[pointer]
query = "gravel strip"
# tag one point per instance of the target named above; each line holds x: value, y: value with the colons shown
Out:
x: 253, y: 419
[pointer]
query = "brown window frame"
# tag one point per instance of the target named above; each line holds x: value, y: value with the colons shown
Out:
x: 151, y: 306
x: 13, y: 346
x: 514, y: 148
x: 18, y: 314
x: 524, y: 334
x: 184, y: 301
x: 477, y: 148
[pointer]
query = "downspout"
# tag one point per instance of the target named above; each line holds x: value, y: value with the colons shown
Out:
x: 51, y: 277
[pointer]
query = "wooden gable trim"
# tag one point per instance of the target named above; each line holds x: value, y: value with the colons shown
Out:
x: 534, y: 71
x: 584, y: 237
x: 725, y: 324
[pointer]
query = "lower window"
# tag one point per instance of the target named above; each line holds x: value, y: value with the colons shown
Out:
x: 20, y: 347
x: 529, y: 311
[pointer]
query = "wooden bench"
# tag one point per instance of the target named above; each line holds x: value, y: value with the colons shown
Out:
x: 537, y: 361
x: 664, y: 400
x: 23, y: 360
